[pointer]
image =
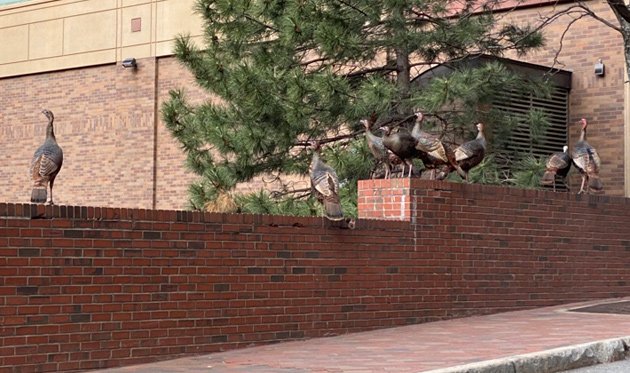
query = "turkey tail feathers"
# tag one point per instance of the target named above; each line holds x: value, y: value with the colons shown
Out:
x: 548, y: 178
x: 39, y: 195
x: 595, y: 184
x: 332, y: 210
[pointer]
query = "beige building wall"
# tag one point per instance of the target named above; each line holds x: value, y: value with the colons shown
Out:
x: 47, y: 35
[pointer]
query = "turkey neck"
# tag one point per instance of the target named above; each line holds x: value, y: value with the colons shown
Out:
x: 50, y: 132
x: 583, y: 134
x: 482, y: 138
x: 417, y: 129
x: 315, y: 159
x: 371, y: 135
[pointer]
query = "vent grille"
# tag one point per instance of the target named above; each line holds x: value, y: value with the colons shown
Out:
x: 556, y: 108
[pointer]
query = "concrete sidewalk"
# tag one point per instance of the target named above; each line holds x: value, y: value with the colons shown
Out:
x: 542, y: 340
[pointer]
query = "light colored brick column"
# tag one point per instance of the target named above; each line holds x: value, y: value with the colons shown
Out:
x: 385, y: 199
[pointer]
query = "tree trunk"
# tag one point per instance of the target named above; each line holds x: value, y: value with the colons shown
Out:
x: 622, y: 12
x: 403, y: 66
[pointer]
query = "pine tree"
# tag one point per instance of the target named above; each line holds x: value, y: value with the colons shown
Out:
x: 289, y: 72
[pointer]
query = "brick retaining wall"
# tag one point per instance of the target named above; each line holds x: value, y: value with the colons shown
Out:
x: 84, y: 287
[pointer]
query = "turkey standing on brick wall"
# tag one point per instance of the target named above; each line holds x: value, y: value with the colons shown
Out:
x: 434, y: 153
x: 325, y: 186
x: 587, y: 161
x: 400, y: 142
x: 558, y: 164
x: 46, y: 164
x: 471, y: 153
x: 378, y: 150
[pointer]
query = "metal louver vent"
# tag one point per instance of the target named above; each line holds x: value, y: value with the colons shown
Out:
x: 521, y: 141
x: 557, y: 110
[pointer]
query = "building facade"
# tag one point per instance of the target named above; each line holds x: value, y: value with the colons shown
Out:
x: 66, y: 56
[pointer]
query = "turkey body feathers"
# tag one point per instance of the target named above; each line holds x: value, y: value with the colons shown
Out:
x: 434, y: 152
x: 471, y: 153
x: 400, y: 142
x: 378, y: 150
x: 587, y: 161
x: 325, y: 187
x: 45, y: 164
x: 558, y: 164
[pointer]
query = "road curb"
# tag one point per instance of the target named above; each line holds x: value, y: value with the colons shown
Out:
x: 551, y: 361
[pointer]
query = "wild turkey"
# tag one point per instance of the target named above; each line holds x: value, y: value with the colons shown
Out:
x: 557, y: 164
x: 434, y: 153
x: 325, y: 186
x: 471, y: 153
x: 46, y: 164
x: 400, y: 142
x: 375, y: 144
x: 587, y: 161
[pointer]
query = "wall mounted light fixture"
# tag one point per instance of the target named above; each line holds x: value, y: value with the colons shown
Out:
x: 600, y: 69
x: 130, y: 63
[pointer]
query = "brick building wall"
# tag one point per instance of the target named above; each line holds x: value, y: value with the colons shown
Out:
x: 598, y: 99
x: 89, y: 287
x: 119, y: 154
x: 172, y: 180
x: 104, y: 122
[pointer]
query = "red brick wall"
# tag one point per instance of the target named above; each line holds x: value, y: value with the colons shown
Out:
x: 86, y: 287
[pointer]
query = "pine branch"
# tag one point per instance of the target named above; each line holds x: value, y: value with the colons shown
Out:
x: 353, y: 7
x: 278, y: 194
x: 384, y: 68
x: 331, y: 139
